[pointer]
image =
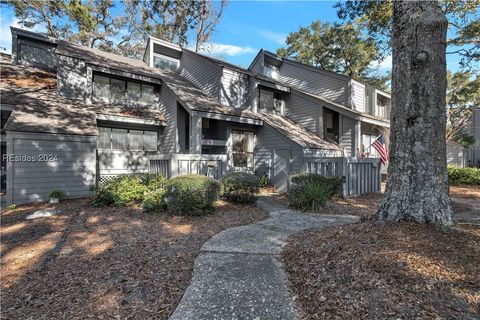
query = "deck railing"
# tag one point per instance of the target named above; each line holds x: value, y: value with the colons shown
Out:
x: 214, y: 166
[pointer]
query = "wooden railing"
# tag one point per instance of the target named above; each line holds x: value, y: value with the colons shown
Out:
x: 214, y: 166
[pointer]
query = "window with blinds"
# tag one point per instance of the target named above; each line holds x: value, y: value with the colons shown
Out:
x: 113, y: 90
x: 125, y: 139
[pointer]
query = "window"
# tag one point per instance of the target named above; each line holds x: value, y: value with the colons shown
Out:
x: 271, y: 101
x: 163, y: 62
x: 113, y: 90
x: 270, y: 71
x: 242, y: 149
x: 101, y: 88
x: 124, y: 139
x: 266, y: 100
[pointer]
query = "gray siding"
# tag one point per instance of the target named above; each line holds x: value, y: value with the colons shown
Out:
x: 234, y: 90
x: 257, y: 67
x: 347, y: 136
x: 315, y: 82
x: 267, y: 139
x: 456, y: 155
x: 168, y: 105
x: 146, y: 56
x: 202, y: 73
x: 304, y: 111
x: 71, y: 78
x: 73, y: 172
x: 113, y: 162
x: 358, y: 96
x: 35, y: 54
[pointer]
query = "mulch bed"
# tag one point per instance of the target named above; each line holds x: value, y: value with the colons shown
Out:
x: 466, y: 192
x: 111, y: 263
x: 385, y: 271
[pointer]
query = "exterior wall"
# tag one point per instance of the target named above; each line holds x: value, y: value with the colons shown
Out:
x: 257, y: 67
x: 34, y: 53
x: 202, y: 73
x: 358, y: 96
x: 456, y: 154
x: 146, y: 56
x: 113, y: 162
x: 267, y: 140
x: 473, y: 128
x: 234, y: 89
x: 73, y: 172
x: 347, y: 135
x: 305, y: 112
x: 316, y: 82
x: 168, y: 105
x: 71, y: 78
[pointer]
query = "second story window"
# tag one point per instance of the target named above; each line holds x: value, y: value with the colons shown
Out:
x: 270, y: 101
x: 270, y: 71
x: 126, y: 139
x: 114, y: 90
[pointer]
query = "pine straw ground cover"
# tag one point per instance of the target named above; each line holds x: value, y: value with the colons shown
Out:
x: 91, y: 263
x: 385, y: 271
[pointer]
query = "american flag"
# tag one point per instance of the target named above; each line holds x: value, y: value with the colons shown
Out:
x: 380, y: 146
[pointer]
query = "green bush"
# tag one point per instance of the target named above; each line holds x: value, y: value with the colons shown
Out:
x: 469, y: 176
x: 154, y: 201
x: 56, y: 193
x: 103, y: 198
x: 333, y: 186
x: 240, y: 187
x: 127, y: 188
x: 264, y: 181
x: 309, y: 192
x: 191, y: 194
x: 310, y: 196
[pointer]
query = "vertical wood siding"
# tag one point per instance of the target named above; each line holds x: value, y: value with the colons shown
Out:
x: 202, y: 73
x: 73, y: 172
x: 304, y: 111
x: 347, y: 136
x: 358, y: 96
x: 168, y: 106
x: 320, y: 83
x: 234, y: 89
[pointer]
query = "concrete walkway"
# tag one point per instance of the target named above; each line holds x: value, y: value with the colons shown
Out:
x: 238, y: 276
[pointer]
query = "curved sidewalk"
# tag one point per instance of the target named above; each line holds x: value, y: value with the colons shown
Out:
x: 238, y: 276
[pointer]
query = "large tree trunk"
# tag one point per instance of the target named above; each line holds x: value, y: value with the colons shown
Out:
x: 417, y: 183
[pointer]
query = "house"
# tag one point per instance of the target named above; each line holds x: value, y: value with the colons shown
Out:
x: 74, y: 116
x: 473, y: 127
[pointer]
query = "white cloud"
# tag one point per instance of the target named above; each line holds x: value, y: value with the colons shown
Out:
x: 6, y: 35
x: 276, y: 37
x: 220, y: 49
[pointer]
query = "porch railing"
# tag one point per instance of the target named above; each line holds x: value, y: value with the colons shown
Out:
x: 171, y: 165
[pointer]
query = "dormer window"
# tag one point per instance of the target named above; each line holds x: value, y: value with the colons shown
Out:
x: 165, y: 63
x: 270, y: 71
x: 116, y: 90
x: 271, y: 101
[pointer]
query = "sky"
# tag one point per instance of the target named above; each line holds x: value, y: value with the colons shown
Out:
x: 247, y: 27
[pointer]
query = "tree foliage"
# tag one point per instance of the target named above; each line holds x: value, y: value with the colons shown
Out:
x: 335, y: 47
x: 91, y: 22
x: 463, y: 20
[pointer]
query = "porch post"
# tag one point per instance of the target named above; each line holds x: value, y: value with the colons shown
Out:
x: 358, y: 135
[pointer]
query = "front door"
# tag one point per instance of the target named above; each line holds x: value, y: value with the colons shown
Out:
x: 281, y: 169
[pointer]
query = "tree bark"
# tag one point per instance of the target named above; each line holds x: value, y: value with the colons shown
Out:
x: 417, y: 182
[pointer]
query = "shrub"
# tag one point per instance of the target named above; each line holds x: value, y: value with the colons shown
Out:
x: 332, y: 185
x: 127, y: 188
x: 469, y: 176
x: 310, y: 196
x: 56, y: 193
x: 191, y: 194
x: 103, y: 198
x: 264, y: 181
x: 240, y: 187
x: 309, y: 192
x: 154, y: 201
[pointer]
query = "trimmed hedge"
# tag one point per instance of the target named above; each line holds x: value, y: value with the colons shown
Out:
x: 192, y: 194
x: 468, y: 176
x: 240, y: 187
x: 309, y: 192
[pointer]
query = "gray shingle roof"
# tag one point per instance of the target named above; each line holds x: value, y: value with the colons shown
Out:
x: 37, y: 107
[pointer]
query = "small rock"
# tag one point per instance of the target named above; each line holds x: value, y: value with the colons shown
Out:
x: 43, y: 214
